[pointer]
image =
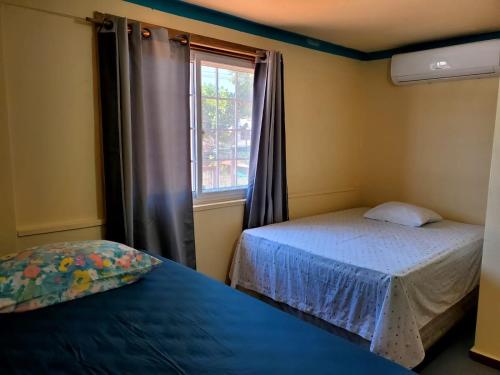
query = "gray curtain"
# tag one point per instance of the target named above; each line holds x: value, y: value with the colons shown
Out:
x: 267, y: 196
x: 144, y: 86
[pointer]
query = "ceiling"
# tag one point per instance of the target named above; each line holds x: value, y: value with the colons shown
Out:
x: 368, y: 25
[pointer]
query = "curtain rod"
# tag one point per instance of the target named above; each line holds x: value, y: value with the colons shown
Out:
x: 195, y: 41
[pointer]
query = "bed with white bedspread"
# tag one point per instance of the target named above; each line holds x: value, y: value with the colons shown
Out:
x: 381, y: 281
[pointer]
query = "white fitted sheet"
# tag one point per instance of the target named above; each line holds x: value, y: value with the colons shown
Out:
x: 379, y: 280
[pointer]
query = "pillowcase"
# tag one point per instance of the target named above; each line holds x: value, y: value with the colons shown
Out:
x: 54, y: 273
x: 403, y: 213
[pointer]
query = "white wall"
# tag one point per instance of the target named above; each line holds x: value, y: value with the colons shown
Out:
x: 428, y: 144
x: 488, y: 319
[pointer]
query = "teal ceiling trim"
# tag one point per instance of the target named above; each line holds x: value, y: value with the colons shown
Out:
x: 181, y: 8
x: 434, y: 44
x: 184, y: 9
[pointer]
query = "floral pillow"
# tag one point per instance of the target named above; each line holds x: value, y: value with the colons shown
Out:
x: 54, y: 273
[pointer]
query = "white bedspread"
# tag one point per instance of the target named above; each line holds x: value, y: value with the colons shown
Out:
x: 379, y: 280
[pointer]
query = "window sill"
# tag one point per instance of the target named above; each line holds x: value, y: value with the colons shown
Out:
x: 205, y: 206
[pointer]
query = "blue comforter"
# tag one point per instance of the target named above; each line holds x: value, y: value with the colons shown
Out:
x: 175, y: 321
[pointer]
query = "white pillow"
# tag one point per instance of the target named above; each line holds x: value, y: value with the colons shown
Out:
x: 403, y: 213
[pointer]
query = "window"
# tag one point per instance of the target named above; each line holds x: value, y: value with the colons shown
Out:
x: 221, y: 120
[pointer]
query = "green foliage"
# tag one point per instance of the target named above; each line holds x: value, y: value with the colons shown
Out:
x: 226, y: 122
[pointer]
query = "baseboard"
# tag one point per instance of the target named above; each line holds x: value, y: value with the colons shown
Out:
x: 485, y: 360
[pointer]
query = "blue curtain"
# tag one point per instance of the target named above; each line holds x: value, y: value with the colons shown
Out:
x: 267, y: 195
x: 144, y: 85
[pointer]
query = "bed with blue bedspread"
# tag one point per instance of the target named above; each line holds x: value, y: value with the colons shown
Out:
x: 175, y: 321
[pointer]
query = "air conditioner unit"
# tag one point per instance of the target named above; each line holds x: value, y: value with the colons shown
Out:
x: 464, y: 61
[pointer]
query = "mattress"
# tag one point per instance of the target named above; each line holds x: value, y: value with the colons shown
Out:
x: 174, y: 321
x: 381, y: 281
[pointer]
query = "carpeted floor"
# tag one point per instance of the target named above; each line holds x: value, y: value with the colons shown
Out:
x: 450, y: 356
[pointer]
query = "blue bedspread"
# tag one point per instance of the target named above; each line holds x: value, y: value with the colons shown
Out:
x: 175, y: 321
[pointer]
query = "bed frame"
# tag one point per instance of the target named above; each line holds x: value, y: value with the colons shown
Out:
x: 430, y: 333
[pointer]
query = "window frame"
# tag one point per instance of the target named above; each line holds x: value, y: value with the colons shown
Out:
x: 228, y: 194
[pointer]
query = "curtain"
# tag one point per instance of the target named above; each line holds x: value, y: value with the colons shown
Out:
x: 144, y: 87
x: 267, y: 195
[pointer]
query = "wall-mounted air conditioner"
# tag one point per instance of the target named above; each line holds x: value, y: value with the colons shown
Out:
x: 464, y: 61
